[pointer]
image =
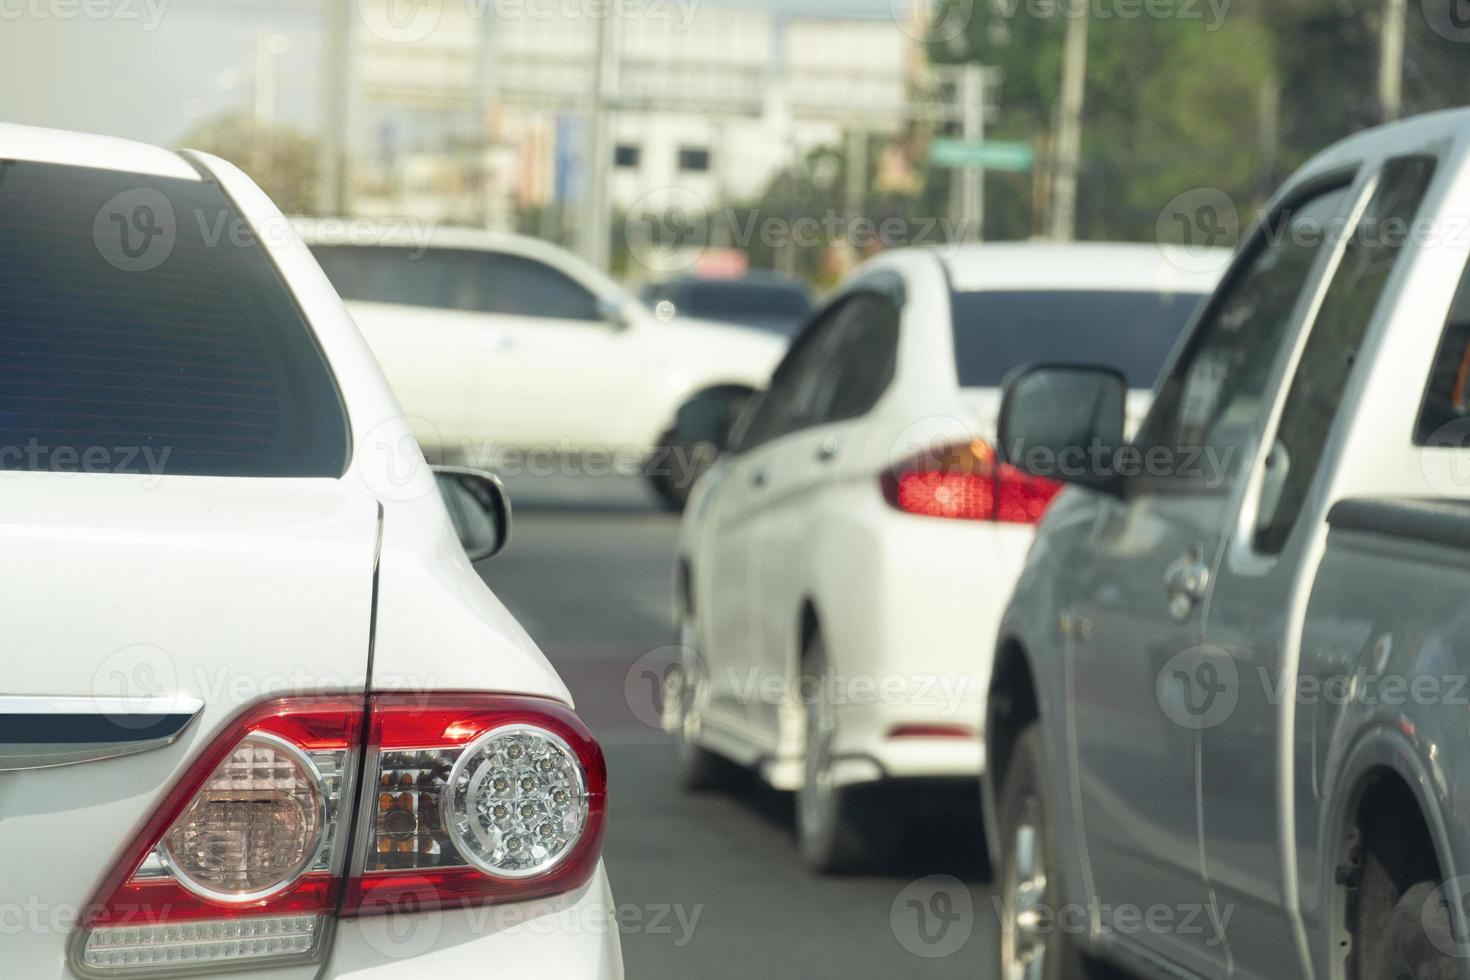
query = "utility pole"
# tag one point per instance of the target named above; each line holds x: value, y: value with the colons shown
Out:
x: 856, y: 197
x: 481, y: 142
x: 595, y: 236
x: 1069, y: 124
x: 972, y: 100
x: 336, y: 105
x: 1391, y: 60
x: 268, y: 47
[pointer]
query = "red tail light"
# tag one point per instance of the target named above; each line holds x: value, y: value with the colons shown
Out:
x: 466, y: 799
x: 243, y: 861
x: 967, y: 482
x: 476, y: 799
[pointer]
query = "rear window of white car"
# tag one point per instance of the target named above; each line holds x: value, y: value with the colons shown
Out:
x: 144, y: 330
x: 996, y: 332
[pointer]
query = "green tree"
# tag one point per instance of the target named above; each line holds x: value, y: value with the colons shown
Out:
x: 282, y: 160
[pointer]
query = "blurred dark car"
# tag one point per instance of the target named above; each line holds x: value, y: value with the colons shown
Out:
x: 760, y: 300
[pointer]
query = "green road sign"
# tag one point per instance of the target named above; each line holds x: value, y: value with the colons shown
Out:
x: 982, y: 154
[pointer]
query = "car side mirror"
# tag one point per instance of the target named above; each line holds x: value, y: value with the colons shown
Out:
x: 610, y: 311
x: 706, y: 422
x: 1065, y: 423
x: 479, y: 509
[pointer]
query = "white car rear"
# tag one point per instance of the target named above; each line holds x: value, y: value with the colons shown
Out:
x: 511, y: 354
x: 845, y: 567
x: 255, y: 700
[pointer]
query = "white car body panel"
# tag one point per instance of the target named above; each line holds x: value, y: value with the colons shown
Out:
x: 225, y: 590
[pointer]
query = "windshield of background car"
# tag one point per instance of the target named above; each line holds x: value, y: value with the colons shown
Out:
x: 144, y: 329
x: 1132, y: 332
x: 744, y: 301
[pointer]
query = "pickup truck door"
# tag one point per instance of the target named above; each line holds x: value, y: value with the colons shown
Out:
x: 1260, y: 591
x: 1143, y: 686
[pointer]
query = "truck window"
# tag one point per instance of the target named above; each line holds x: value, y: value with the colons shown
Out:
x: 1327, y: 361
x: 142, y: 332
x: 1444, y: 419
x: 1210, y: 404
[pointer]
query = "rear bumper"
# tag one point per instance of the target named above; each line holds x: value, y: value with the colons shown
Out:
x: 573, y: 936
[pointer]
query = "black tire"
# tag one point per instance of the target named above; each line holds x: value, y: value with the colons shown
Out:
x: 696, y: 769
x: 1026, y: 807
x: 833, y: 824
x: 674, y: 470
x: 1413, y: 946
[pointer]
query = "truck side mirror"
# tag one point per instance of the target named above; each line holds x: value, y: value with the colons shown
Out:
x: 1064, y: 423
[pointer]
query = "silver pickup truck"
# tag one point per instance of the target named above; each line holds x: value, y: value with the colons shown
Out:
x: 1230, y: 720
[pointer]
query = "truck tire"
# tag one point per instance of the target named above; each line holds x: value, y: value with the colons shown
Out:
x: 1414, y: 944
x: 1029, y: 873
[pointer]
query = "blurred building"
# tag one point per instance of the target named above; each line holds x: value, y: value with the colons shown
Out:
x: 487, y: 120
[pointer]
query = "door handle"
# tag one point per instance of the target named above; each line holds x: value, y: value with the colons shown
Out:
x: 1187, y: 582
x: 829, y: 450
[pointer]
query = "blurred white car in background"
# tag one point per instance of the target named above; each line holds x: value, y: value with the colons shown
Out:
x: 501, y: 346
x: 259, y: 730
x: 843, y: 568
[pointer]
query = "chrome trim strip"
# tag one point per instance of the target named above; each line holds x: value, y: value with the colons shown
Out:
x: 42, y: 732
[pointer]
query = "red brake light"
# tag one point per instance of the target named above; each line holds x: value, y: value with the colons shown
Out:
x: 475, y: 799
x: 966, y: 482
x: 247, y: 862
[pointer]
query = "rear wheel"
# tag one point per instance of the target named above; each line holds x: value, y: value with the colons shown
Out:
x: 832, y: 824
x: 1034, y: 941
x: 1414, y: 944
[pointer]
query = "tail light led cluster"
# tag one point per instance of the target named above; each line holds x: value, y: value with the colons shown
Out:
x: 465, y: 799
x: 477, y: 800
x: 968, y: 482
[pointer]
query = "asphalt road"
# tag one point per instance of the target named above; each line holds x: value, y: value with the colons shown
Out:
x: 709, y: 886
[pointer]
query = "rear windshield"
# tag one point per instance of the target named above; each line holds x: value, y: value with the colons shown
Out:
x: 997, y: 332
x: 143, y: 330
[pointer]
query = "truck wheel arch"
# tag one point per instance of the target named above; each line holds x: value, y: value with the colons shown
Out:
x: 1010, y: 706
x: 1389, y: 835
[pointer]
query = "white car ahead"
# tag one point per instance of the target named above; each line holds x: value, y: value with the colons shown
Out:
x: 257, y: 708
x: 512, y: 353
x: 843, y: 568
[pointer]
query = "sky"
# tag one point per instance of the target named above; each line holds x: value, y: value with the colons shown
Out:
x: 152, y: 69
